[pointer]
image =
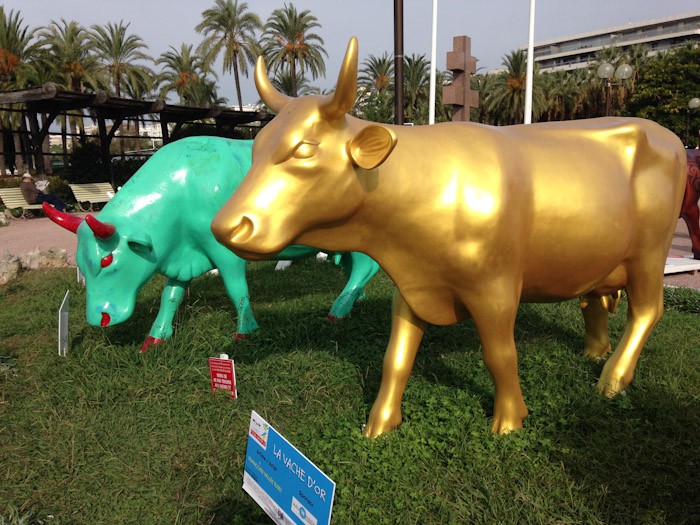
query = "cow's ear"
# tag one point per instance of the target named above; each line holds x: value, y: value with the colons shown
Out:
x: 371, y: 146
x: 140, y: 243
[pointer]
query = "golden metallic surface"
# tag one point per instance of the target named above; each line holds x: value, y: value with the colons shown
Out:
x: 469, y: 221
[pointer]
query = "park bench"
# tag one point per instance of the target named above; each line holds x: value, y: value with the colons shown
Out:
x: 14, y: 201
x: 92, y: 193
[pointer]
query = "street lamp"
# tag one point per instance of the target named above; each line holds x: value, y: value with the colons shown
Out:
x: 693, y: 103
x: 607, y: 71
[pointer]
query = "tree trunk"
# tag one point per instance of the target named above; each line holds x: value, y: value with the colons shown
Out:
x: 64, y: 140
x: 3, y: 164
x: 137, y: 127
x: 238, y: 82
x: 19, y: 159
x: 294, y: 78
x: 46, y: 148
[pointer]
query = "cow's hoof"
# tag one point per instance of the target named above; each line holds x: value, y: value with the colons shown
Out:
x: 242, y: 336
x: 374, y: 431
x: 611, y: 388
x: 505, y: 425
x: 381, y: 421
x: 596, y: 353
x: 149, y: 342
x: 334, y: 318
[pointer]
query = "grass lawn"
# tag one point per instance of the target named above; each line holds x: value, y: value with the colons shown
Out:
x: 109, y: 435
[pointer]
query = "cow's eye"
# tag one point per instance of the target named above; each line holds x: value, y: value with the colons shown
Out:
x: 106, y: 261
x: 305, y: 150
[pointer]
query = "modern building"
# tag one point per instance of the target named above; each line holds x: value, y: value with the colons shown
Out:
x: 576, y: 51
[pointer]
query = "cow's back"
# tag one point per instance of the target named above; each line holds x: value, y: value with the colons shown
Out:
x: 606, y: 186
x: 194, y: 174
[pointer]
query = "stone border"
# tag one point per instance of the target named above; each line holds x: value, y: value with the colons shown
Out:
x: 11, y: 266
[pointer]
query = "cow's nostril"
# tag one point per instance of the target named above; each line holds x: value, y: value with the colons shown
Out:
x: 243, y: 231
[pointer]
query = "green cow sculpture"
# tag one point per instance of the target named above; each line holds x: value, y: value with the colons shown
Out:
x: 159, y: 222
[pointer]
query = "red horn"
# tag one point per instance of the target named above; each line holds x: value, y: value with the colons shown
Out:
x: 102, y: 230
x: 65, y: 220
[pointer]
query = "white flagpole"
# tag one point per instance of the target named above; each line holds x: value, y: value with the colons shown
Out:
x: 433, y: 53
x: 530, y: 65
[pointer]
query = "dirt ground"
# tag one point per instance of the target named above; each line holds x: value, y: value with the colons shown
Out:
x: 25, y: 235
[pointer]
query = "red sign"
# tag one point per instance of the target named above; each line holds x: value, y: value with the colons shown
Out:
x: 223, y: 375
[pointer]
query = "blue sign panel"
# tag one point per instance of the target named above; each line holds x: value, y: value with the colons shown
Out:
x: 286, y: 485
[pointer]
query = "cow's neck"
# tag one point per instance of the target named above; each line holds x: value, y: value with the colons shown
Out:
x: 391, y: 195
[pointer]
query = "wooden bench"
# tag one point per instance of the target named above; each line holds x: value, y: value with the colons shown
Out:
x: 92, y: 193
x: 14, y: 201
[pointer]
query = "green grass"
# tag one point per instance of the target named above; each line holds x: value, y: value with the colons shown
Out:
x: 108, y: 435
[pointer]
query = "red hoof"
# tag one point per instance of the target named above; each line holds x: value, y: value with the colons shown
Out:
x: 242, y: 336
x: 334, y: 318
x: 149, y: 342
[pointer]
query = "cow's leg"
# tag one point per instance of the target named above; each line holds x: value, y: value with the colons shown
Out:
x: 494, y: 313
x: 406, y: 334
x: 596, y: 341
x: 690, y: 213
x: 170, y: 301
x: 233, y: 272
x: 645, y: 306
x: 359, y: 269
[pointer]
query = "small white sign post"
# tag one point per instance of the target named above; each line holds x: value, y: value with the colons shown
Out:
x: 63, y: 326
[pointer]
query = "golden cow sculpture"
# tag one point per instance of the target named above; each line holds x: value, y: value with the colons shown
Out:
x: 469, y: 220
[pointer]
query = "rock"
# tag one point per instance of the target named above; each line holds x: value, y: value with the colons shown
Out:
x: 30, y: 260
x: 51, y: 258
x: 10, y: 267
x: 4, y: 219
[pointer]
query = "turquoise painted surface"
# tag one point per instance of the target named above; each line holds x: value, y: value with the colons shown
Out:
x: 162, y: 217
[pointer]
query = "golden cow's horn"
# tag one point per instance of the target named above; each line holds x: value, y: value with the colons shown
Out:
x: 65, y: 220
x: 102, y: 230
x: 269, y: 94
x: 343, y: 99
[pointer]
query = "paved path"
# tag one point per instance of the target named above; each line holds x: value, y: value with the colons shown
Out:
x: 23, y: 236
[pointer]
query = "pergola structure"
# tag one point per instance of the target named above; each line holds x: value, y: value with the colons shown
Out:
x: 50, y: 101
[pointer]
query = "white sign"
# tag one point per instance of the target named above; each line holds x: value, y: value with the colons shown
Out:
x: 63, y: 326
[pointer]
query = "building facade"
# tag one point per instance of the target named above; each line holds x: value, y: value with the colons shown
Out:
x: 577, y: 51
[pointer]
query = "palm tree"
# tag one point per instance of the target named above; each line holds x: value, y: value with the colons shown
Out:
x: 229, y: 29
x: 288, y: 41
x: 70, y: 46
x: 377, y: 73
x: 563, y: 94
x: 417, y: 87
x: 16, y: 50
x: 181, y: 71
x: 284, y: 83
x: 507, y: 98
x: 120, y: 53
x: 75, y: 66
x: 36, y: 73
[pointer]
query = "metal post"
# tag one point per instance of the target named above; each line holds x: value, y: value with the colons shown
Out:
x: 530, y: 65
x: 398, y: 62
x: 433, y: 66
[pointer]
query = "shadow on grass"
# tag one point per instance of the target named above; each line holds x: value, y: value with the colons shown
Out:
x: 641, y: 451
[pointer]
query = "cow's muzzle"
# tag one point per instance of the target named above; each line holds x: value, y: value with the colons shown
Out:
x: 233, y: 236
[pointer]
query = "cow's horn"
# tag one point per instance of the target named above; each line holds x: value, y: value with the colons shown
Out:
x: 102, y: 230
x: 343, y: 99
x: 269, y: 94
x: 65, y: 220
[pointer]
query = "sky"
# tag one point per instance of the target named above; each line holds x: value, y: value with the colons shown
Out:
x: 495, y: 27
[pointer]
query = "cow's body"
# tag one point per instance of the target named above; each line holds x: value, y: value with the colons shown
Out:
x: 162, y: 218
x: 470, y: 220
x: 690, y: 212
